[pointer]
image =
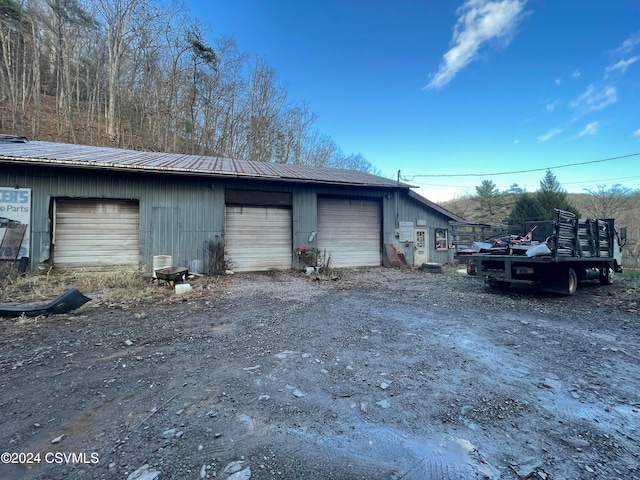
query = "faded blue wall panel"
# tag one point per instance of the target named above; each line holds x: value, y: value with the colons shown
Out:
x: 178, y: 215
x: 410, y: 210
x: 305, y: 217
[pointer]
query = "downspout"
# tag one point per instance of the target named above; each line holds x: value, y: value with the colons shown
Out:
x: 397, y: 201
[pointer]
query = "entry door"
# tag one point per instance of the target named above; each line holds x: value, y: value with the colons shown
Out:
x: 420, y: 250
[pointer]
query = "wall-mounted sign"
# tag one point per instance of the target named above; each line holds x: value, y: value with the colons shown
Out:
x: 15, y: 219
x: 406, y: 232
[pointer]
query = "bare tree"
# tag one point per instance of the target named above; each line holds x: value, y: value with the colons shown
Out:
x: 225, y: 105
x: 124, y: 21
x: 11, y: 45
x: 66, y: 22
x: 295, y: 126
x: 155, y: 78
x: 356, y: 161
x: 266, y: 105
x: 462, y: 206
x: 170, y: 80
x: 603, y: 202
x: 36, y: 86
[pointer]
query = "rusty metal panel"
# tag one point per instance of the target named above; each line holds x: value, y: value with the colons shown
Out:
x: 117, y: 159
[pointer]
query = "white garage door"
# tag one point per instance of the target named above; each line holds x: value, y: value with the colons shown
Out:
x: 96, y: 233
x: 349, y: 231
x: 258, y: 238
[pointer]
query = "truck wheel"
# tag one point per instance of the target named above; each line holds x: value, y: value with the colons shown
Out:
x: 606, y: 276
x: 573, y: 281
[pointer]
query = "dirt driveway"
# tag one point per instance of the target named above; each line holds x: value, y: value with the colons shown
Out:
x: 376, y: 374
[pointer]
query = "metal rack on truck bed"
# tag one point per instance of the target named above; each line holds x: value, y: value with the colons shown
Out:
x: 577, y: 250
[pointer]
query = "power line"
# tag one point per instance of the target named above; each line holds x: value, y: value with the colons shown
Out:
x: 409, y: 179
x: 601, y: 181
x: 583, y: 182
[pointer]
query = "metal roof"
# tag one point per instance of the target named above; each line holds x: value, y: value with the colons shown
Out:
x: 436, y: 207
x: 11, y: 138
x: 83, y: 156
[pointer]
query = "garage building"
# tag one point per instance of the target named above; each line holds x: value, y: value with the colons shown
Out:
x: 95, y: 207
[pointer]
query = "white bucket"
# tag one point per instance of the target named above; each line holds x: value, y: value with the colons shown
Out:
x: 161, y: 261
x: 182, y: 288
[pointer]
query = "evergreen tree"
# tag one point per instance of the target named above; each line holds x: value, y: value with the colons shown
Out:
x: 515, y: 189
x: 490, y: 199
x: 551, y: 196
x: 527, y: 208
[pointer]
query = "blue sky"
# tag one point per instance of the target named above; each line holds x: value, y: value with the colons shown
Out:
x: 439, y: 89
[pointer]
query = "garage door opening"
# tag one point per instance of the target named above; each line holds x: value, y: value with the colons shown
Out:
x: 349, y: 231
x: 258, y: 238
x: 96, y: 233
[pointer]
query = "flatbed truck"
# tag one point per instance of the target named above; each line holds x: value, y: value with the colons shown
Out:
x: 577, y: 250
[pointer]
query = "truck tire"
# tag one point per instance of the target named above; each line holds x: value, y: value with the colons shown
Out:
x: 606, y: 276
x: 573, y: 281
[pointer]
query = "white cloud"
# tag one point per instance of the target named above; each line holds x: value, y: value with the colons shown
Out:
x: 621, y: 65
x: 549, y: 135
x: 516, y: 142
x: 479, y: 21
x: 589, y: 129
x: 552, y: 106
x: 576, y: 73
x: 592, y: 99
x: 636, y: 133
x: 629, y: 44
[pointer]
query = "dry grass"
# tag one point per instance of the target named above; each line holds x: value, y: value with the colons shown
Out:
x: 116, y: 287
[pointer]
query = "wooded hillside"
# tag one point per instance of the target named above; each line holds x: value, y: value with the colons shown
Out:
x: 139, y: 74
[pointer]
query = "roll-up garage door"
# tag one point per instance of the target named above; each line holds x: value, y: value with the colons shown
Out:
x: 96, y: 233
x: 349, y: 231
x: 258, y: 238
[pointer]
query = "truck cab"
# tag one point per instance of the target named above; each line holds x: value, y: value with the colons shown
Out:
x: 620, y: 240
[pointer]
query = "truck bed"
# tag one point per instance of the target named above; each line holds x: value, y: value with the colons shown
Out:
x: 578, y: 250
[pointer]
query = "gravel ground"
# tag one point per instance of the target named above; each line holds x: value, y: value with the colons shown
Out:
x: 361, y: 374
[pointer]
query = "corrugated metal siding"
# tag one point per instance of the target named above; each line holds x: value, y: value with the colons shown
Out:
x: 349, y: 231
x: 180, y: 214
x: 258, y: 238
x: 201, y: 208
x: 96, y: 233
x: 305, y: 217
x: 410, y: 210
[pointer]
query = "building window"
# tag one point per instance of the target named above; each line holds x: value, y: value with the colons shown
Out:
x: 441, y: 238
